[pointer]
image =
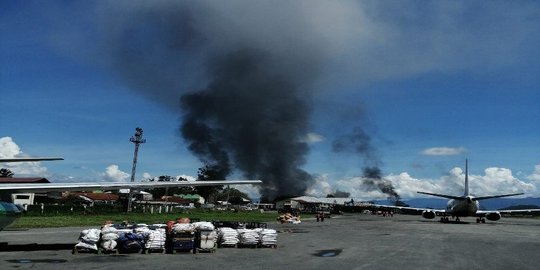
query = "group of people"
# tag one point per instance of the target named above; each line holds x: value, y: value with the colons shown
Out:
x: 320, y: 216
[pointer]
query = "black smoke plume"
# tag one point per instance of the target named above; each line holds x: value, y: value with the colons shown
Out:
x: 250, y: 119
x: 360, y: 142
x: 241, y: 73
x: 373, y: 180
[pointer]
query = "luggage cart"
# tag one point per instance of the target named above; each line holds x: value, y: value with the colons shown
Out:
x: 181, y: 242
x: 206, y: 241
x: 155, y: 241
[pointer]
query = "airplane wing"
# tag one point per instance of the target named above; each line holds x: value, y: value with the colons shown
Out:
x: 482, y: 213
x: 409, y: 210
x: 442, y: 195
x: 47, y: 187
x: 496, y: 196
x: 25, y: 159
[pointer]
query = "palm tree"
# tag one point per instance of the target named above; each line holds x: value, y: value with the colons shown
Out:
x: 7, y: 173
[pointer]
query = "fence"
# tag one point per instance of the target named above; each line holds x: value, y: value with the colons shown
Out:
x: 58, y: 210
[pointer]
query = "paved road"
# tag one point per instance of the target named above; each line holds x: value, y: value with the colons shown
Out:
x: 348, y: 242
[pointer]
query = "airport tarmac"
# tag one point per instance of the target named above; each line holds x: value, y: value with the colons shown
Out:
x: 357, y: 241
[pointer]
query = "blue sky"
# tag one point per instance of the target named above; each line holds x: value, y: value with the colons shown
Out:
x: 457, y: 76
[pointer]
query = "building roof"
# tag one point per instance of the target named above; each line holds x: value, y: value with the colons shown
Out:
x: 309, y: 199
x: 189, y: 196
x: 174, y: 199
x: 99, y: 196
x: 18, y: 180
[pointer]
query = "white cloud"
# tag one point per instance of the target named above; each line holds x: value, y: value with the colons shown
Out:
x: 443, y: 151
x: 113, y: 173
x: 146, y: 176
x: 321, y: 187
x: 253, y: 191
x: 498, y: 181
x: 185, y: 176
x: 536, y: 174
x: 9, y: 149
x: 494, y: 181
x: 313, y: 137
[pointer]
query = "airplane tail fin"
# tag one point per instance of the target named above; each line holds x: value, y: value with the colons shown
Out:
x: 466, y: 193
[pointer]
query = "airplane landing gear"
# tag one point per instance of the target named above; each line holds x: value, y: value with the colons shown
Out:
x: 478, y: 220
x: 444, y: 219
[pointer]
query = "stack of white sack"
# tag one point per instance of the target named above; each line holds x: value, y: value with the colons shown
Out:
x: 227, y: 236
x: 248, y: 237
x: 183, y: 227
x: 88, y: 239
x: 268, y: 237
x: 123, y: 230
x: 204, y: 225
x: 109, y: 234
x: 142, y: 230
x: 155, y: 239
x: 208, y: 239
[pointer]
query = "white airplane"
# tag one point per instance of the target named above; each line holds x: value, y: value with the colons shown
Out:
x: 463, y: 206
x: 9, y: 212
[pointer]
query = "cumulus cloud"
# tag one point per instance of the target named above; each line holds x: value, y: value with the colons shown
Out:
x: 494, y: 181
x: 444, y: 151
x: 146, y: 176
x: 113, y: 173
x: 498, y: 181
x: 253, y: 191
x: 321, y: 187
x: 9, y: 149
x: 185, y: 176
x: 536, y: 174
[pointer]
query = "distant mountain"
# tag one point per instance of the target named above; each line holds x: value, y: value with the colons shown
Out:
x: 489, y: 204
x: 521, y: 207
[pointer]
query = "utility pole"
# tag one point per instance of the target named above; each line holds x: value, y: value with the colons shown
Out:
x: 137, y: 139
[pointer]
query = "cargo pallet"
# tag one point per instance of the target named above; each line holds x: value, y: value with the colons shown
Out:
x: 77, y: 250
x: 181, y: 242
x: 153, y: 250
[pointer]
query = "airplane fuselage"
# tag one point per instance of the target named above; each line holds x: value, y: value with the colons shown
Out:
x: 9, y: 212
x: 462, y: 208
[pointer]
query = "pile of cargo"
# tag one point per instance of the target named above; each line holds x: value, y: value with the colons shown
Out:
x: 289, y: 218
x: 88, y: 240
x: 268, y: 237
x: 175, y: 236
x: 228, y: 237
x: 248, y: 238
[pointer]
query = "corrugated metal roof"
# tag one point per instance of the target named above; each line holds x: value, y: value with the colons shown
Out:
x: 22, y: 180
x: 309, y: 199
x: 174, y: 199
x: 100, y: 196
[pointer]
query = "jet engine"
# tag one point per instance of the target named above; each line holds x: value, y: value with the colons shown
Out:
x: 493, y: 216
x: 428, y: 214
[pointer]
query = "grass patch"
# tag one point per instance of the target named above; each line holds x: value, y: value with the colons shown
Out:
x: 97, y: 220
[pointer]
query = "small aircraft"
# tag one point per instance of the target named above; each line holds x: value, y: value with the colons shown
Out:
x: 465, y: 205
x: 9, y: 212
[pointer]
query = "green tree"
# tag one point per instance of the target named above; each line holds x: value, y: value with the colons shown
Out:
x: 232, y: 195
x: 6, y: 173
x: 208, y: 173
x: 160, y: 192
